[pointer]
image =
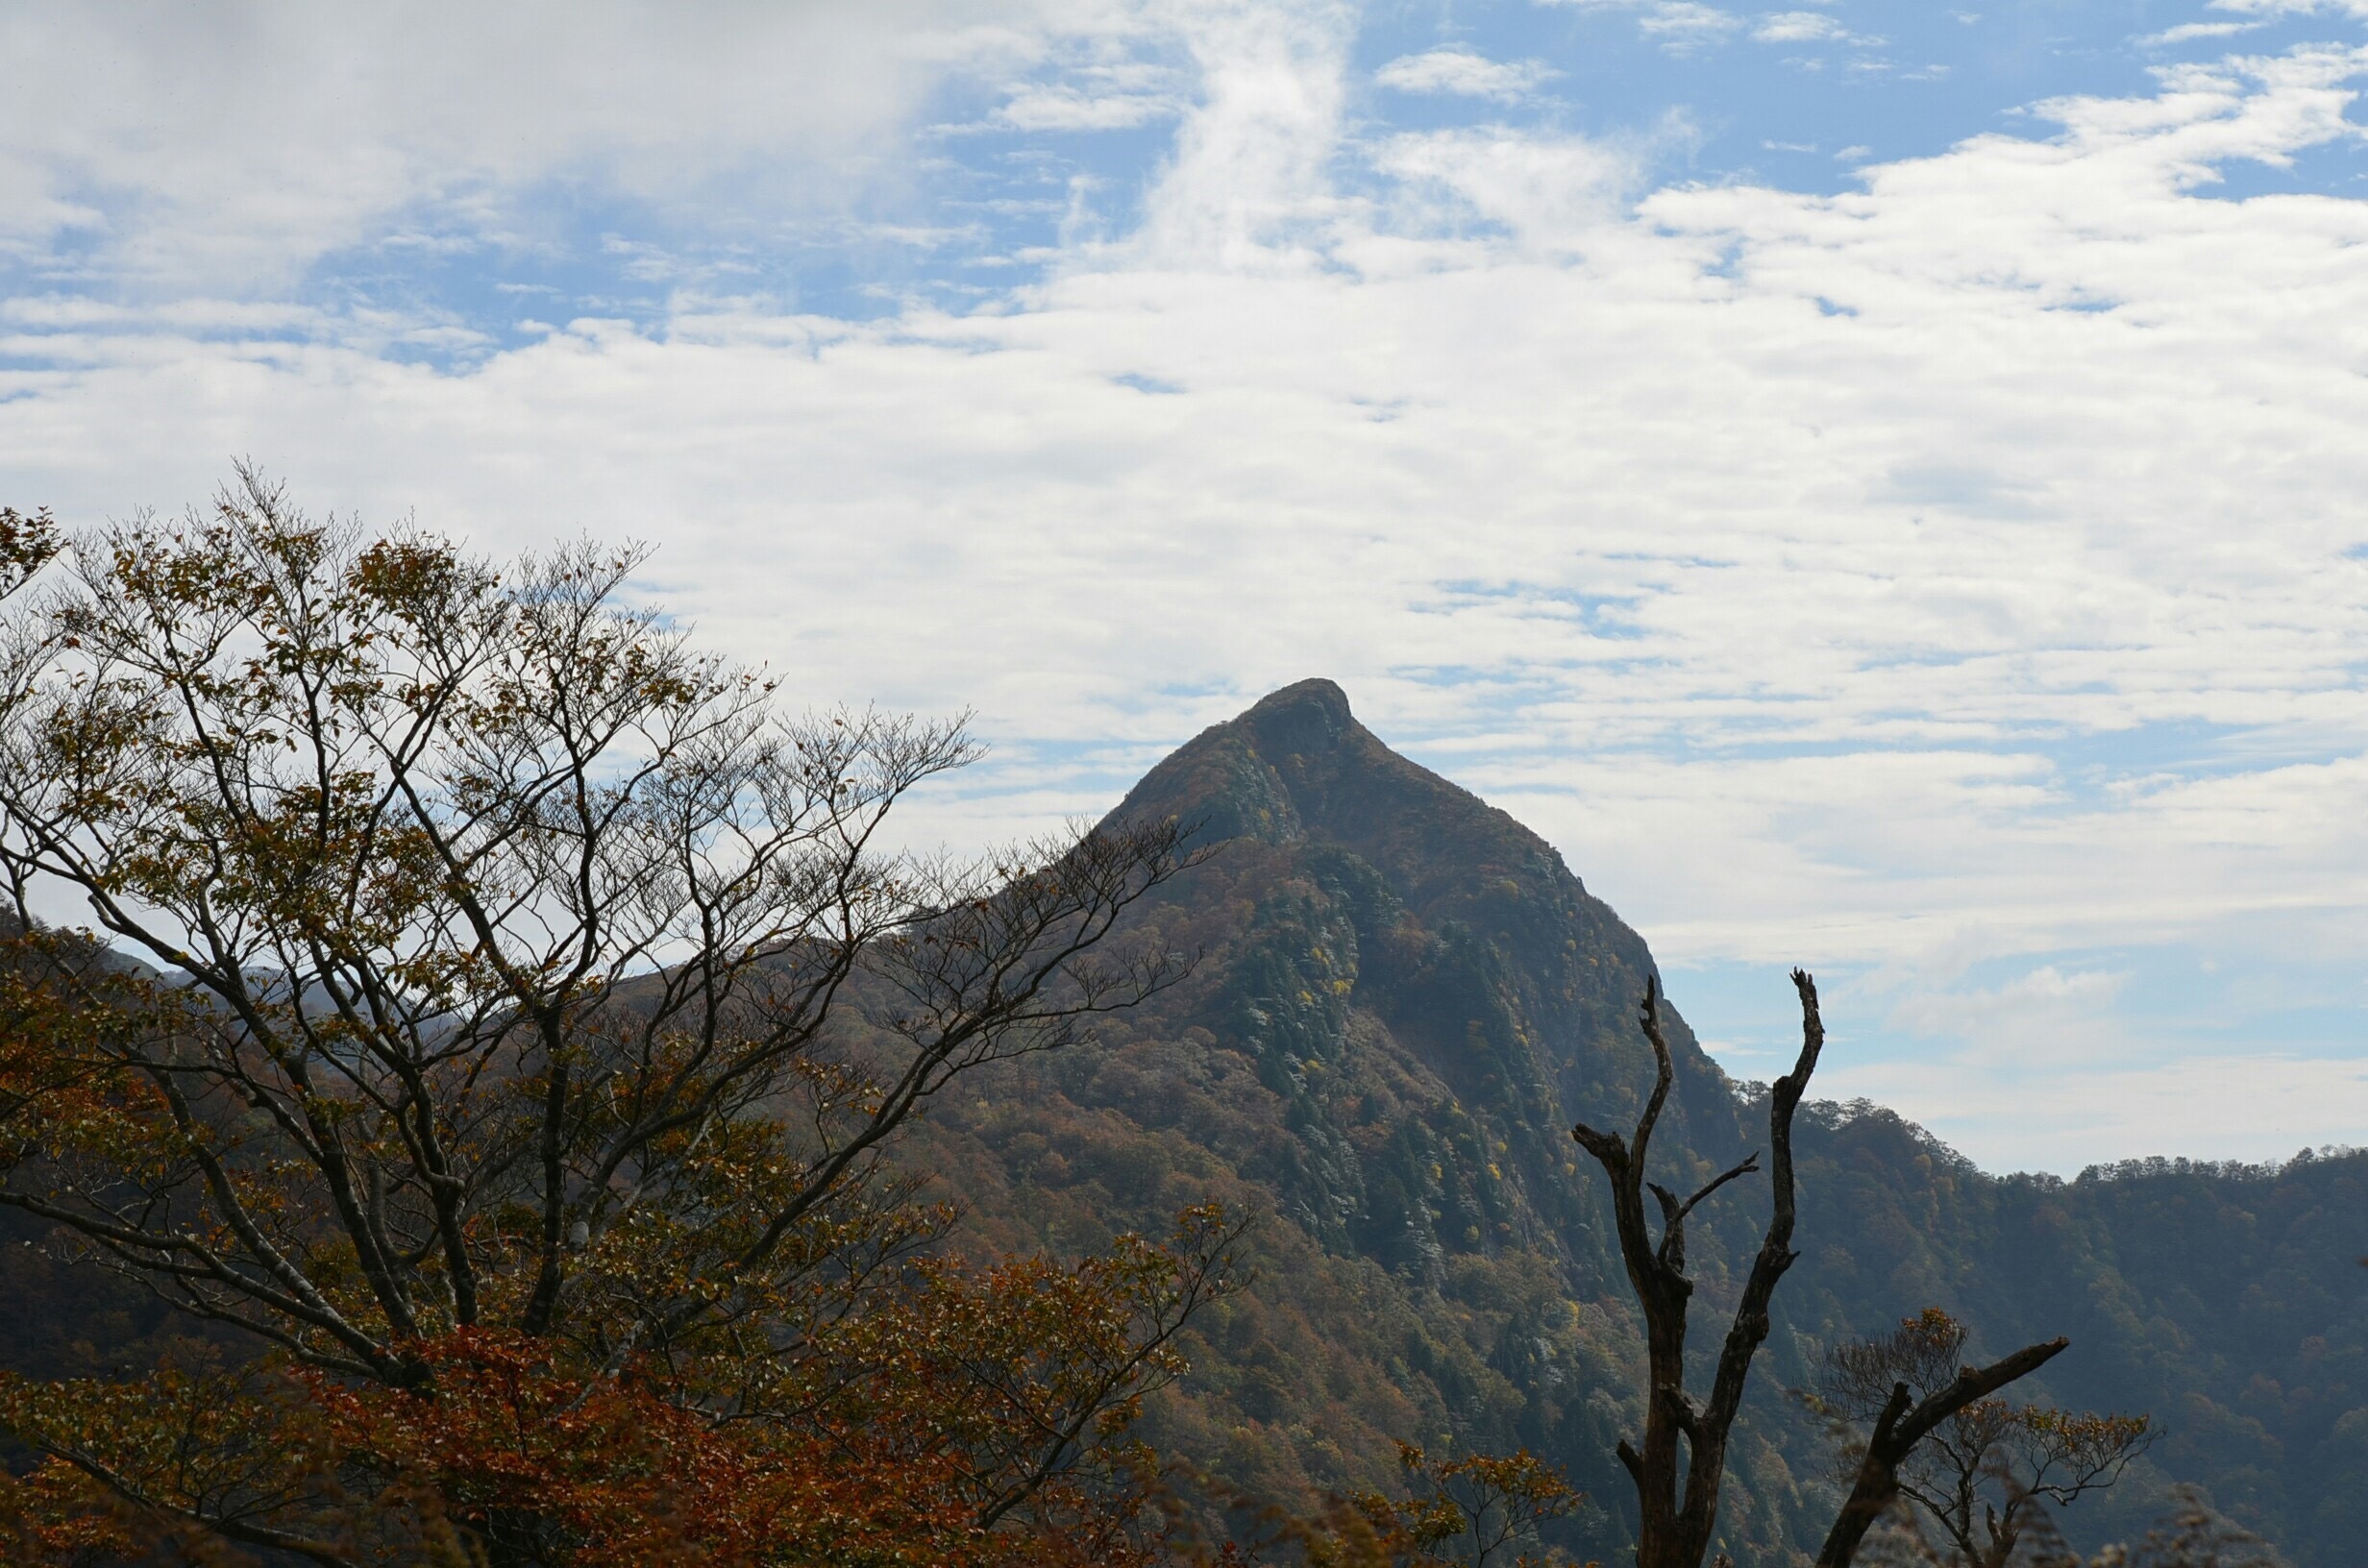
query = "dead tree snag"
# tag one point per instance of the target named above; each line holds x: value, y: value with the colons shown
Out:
x: 1677, y: 1493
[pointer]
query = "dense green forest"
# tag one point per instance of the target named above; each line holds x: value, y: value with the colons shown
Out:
x: 1404, y: 1001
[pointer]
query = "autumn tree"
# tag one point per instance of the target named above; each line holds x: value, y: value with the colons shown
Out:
x: 1982, y: 1473
x: 529, y: 1006
x: 1467, y: 1508
x: 2190, y: 1535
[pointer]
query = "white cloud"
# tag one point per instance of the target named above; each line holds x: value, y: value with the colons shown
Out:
x: 1685, y: 24
x: 1789, y: 26
x: 2189, y: 32
x: 226, y: 146
x: 1791, y: 560
x: 1465, y: 74
x: 1093, y: 86
x: 2294, y: 8
x: 1065, y: 109
x: 2037, y: 1019
x: 1551, y: 192
x: 2265, y: 1106
x: 1249, y: 184
x: 1807, y: 27
x: 1681, y: 26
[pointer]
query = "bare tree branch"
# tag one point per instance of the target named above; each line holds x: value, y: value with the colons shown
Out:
x: 1678, y: 1492
x: 1899, y: 1429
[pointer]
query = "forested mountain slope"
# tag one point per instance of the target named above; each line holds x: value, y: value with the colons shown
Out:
x: 1404, y: 1000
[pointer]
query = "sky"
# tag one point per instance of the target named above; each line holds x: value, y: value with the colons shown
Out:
x: 1880, y: 485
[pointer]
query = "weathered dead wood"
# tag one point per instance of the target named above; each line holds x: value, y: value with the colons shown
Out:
x: 1678, y: 1495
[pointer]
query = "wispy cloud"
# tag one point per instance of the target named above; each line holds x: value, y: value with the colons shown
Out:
x: 2294, y: 8
x: 1684, y: 24
x: 1834, y: 577
x: 1462, y: 73
x: 1549, y: 192
x: 2028, y: 1018
x: 1808, y: 27
x: 2191, y: 31
x: 1067, y: 108
x: 1680, y: 26
x: 169, y: 173
x: 2265, y: 1107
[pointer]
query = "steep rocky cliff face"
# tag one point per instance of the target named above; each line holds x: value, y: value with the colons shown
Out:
x: 1403, y: 1000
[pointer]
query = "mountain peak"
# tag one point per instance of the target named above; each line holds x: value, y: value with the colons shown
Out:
x: 1297, y: 766
x: 1266, y: 772
x: 1310, y: 710
x: 1362, y: 904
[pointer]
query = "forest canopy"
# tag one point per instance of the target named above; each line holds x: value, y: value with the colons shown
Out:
x: 504, y: 1015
